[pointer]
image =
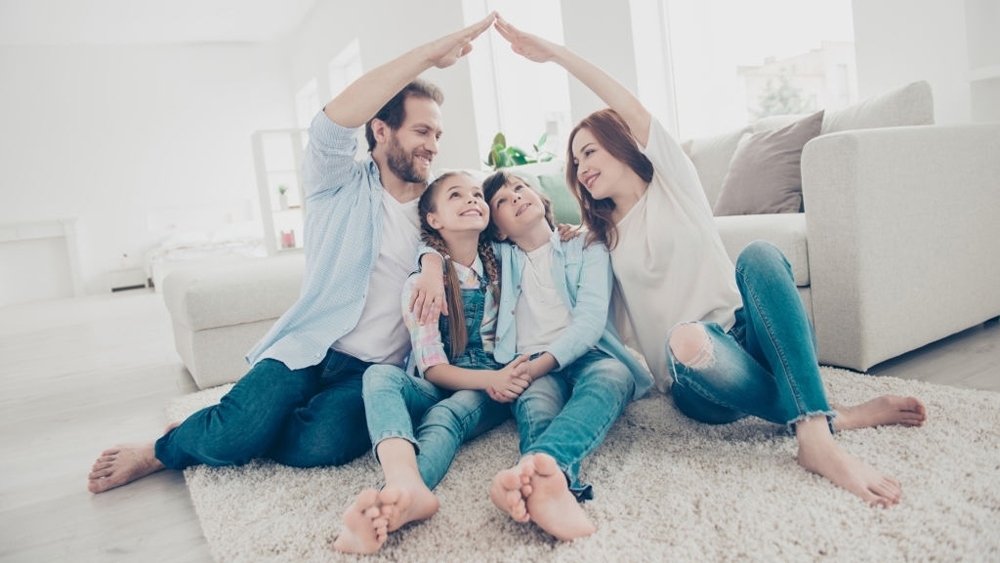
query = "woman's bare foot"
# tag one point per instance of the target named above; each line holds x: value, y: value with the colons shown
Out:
x: 365, y: 530
x: 121, y: 465
x: 887, y: 409
x: 409, y: 503
x: 820, y: 453
x: 511, y: 488
x: 552, y: 506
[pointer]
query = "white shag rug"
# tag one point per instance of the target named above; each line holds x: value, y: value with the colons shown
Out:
x: 666, y: 488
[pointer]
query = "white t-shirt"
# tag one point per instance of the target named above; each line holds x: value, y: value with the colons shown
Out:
x: 381, y: 320
x: 669, y: 260
x: 540, y: 313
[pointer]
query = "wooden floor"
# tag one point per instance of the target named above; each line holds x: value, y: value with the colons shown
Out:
x: 83, y: 374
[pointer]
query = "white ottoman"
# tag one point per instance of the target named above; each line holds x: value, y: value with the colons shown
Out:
x: 219, y: 311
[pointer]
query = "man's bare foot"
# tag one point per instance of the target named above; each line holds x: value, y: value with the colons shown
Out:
x: 511, y: 488
x: 120, y: 465
x: 887, y: 409
x: 820, y: 453
x: 365, y: 529
x: 402, y: 505
x: 552, y: 506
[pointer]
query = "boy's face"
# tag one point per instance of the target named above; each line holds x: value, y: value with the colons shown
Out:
x: 516, y: 209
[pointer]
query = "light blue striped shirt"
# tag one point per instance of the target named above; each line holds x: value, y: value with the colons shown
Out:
x: 343, y: 234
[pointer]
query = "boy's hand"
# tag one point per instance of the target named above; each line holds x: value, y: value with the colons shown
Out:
x: 510, y: 381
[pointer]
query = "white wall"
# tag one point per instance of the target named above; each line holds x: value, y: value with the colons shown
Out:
x: 384, y: 34
x: 901, y: 41
x: 109, y: 134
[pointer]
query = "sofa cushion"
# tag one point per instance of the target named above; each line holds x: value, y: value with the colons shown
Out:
x: 787, y: 231
x: 764, y: 174
x: 912, y: 104
x: 711, y: 156
x: 216, y: 295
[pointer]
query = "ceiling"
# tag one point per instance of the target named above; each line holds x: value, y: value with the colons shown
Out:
x: 122, y: 22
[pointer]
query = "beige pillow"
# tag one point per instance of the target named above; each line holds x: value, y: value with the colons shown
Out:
x: 764, y: 175
x: 912, y: 104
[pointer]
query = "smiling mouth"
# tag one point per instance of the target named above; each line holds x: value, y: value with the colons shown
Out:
x: 472, y: 213
x: 521, y: 209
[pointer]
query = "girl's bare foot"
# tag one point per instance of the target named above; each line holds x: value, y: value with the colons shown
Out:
x: 887, y: 409
x: 402, y: 505
x: 511, y: 488
x: 121, y: 465
x: 552, y: 506
x: 365, y: 530
x: 820, y: 453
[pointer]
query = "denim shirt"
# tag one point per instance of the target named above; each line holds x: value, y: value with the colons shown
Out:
x: 343, y: 235
x: 587, y: 280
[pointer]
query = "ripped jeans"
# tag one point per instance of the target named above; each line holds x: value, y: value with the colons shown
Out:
x: 766, y: 365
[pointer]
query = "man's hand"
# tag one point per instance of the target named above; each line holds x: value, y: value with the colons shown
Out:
x: 446, y: 51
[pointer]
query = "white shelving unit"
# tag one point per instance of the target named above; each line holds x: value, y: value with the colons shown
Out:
x: 277, y: 156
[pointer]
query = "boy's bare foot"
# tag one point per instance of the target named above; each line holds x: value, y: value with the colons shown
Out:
x: 552, y: 506
x: 887, y: 409
x: 402, y: 505
x: 511, y: 488
x: 120, y: 465
x: 820, y: 453
x: 365, y: 530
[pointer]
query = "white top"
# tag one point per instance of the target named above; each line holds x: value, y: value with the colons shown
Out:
x: 540, y: 313
x: 382, y: 320
x: 669, y: 260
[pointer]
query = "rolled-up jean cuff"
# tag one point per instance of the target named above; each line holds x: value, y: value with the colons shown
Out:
x: 386, y: 435
x: 829, y: 414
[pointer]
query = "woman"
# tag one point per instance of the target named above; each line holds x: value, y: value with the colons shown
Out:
x: 735, y: 341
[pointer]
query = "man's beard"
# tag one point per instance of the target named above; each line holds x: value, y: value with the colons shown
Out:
x: 401, y: 164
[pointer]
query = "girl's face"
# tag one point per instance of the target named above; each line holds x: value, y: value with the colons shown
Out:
x: 516, y: 208
x: 597, y: 170
x: 459, y: 206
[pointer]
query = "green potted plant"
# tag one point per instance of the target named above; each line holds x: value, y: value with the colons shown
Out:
x: 282, y: 198
x: 502, y: 155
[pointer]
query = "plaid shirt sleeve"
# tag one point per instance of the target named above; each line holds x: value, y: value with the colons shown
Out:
x: 428, y: 348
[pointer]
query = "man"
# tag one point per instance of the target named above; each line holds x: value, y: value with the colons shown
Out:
x: 300, y: 404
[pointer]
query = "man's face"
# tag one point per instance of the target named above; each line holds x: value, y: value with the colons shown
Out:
x: 411, y: 148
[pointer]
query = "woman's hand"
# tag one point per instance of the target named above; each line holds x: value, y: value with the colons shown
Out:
x: 446, y: 51
x: 569, y: 232
x: 510, y: 381
x: 529, y: 46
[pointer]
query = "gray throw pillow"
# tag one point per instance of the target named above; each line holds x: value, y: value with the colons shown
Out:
x: 764, y: 175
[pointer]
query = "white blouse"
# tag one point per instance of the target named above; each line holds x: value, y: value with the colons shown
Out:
x: 669, y: 262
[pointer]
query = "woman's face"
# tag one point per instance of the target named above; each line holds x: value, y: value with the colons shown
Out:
x: 597, y: 170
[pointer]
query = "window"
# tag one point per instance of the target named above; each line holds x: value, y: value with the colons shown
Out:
x: 345, y: 68
x: 511, y: 94
x: 734, y: 61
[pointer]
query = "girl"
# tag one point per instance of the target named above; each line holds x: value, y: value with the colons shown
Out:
x: 554, y: 309
x: 734, y: 340
x: 450, y: 398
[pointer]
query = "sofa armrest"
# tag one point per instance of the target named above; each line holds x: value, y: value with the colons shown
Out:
x: 903, y: 237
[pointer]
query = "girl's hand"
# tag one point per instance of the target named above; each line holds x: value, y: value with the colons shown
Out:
x: 427, y: 301
x: 446, y: 51
x: 510, y: 381
x: 529, y: 46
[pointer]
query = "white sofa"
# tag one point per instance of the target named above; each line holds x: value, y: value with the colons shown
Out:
x: 898, y: 245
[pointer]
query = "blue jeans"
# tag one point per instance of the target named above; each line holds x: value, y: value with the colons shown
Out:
x: 394, y: 400
x: 303, y: 418
x: 567, y: 413
x: 766, y: 365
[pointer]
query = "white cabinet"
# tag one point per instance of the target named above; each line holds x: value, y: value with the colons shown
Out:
x: 277, y: 156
